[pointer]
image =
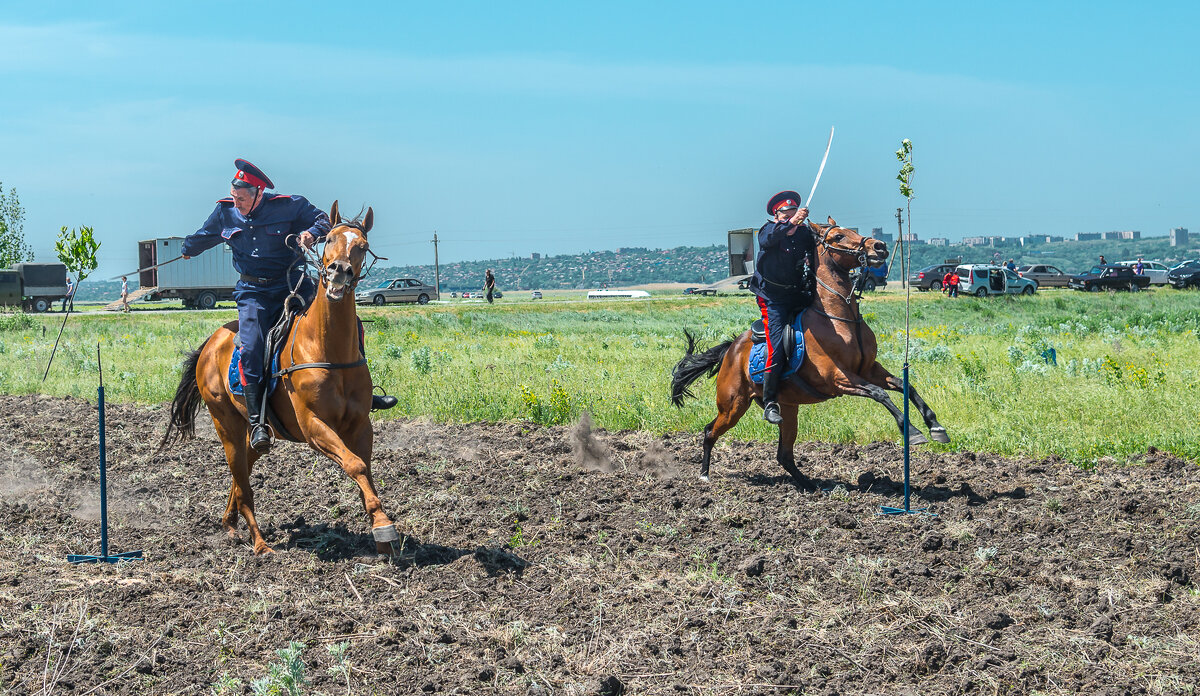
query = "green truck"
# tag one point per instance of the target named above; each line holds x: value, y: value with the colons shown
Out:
x: 33, y: 286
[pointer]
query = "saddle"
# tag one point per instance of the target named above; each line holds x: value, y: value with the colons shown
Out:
x: 793, y: 347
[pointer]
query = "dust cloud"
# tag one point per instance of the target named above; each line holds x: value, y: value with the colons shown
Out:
x: 590, y: 453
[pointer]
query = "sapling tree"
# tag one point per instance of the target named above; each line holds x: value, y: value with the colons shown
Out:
x: 76, y: 250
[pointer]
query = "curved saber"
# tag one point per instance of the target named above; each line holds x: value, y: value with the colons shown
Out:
x: 808, y: 201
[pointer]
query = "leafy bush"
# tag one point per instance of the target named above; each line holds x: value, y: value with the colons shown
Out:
x: 17, y: 321
x: 422, y: 360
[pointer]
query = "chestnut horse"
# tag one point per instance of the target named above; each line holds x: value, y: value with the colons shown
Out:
x: 840, y: 352
x: 323, y: 396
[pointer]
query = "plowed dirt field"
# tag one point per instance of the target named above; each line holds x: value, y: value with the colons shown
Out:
x: 566, y: 561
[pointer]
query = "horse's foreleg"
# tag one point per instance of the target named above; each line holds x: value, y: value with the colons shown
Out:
x: 786, y: 453
x: 880, y: 376
x: 872, y: 391
x: 355, y: 462
x: 733, y: 398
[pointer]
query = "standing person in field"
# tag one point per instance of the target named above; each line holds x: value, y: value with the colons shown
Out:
x: 1139, y: 268
x: 946, y: 282
x: 951, y: 283
x: 1011, y: 265
x: 784, y: 282
x: 489, y: 284
x: 125, y: 294
x: 1102, y: 261
x: 257, y: 226
x: 70, y: 294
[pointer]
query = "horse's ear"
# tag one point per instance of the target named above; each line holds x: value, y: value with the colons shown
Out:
x: 832, y: 222
x: 368, y: 220
x: 334, y: 216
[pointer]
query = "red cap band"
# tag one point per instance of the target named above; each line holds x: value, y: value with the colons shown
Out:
x: 788, y: 203
x: 245, y: 176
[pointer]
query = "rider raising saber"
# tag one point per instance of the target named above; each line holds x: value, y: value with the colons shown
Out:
x: 784, y: 281
x: 256, y: 226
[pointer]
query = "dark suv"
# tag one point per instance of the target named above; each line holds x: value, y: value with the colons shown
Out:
x: 930, y: 277
x: 1185, y: 275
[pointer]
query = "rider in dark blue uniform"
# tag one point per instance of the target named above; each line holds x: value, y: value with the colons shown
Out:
x: 256, y: 225
x: 784, y: 281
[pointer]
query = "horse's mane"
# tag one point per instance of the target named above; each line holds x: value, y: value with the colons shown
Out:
x: 355, y: 222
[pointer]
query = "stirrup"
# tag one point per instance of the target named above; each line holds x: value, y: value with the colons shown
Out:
x: 771, y: 413
x: 264, y: 443
x: 382, y: 402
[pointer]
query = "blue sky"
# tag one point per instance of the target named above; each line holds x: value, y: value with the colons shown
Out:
x: 562, y: 127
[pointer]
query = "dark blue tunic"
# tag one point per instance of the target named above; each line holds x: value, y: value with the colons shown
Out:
x: 783, y: 278
x: 269, y: 266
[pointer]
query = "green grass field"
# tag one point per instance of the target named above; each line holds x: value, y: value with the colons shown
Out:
x: 1124, y: 380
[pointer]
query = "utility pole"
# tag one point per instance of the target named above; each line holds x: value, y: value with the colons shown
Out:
x: 900, y: 246
x: 437, y: 270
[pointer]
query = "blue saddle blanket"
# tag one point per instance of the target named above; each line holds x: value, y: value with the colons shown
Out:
x: 758, y: 355
x: 235, y: 372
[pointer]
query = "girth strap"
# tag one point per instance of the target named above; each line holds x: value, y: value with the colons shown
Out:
x: 322, y: 365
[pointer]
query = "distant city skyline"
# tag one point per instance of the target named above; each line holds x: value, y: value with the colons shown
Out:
x: 563, y: 127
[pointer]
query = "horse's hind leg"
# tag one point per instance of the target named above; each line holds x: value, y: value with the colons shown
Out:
x: 732, y: 401
x: 880, y: 376
x: 241, y: 496
x: 787, y: 444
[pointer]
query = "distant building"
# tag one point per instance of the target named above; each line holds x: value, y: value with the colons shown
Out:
x: 997, y: 241
x: 1038, y: 239
x: 1179, y: 236
x: 1087, y: 236
x: 535, y: 256
x: 974, y: 241
x: 939, y: 241
x: 878, y: 234
x: 911, y: 238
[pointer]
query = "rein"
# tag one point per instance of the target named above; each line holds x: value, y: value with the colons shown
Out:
x: 856, y: 289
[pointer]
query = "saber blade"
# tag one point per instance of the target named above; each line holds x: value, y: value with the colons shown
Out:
x: 821, y: 170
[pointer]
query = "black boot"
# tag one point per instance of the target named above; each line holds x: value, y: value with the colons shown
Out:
x: 380, y: 402
x: 771, y: 412
x: 260, y: 438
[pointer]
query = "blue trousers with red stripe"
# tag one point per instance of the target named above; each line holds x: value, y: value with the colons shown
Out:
x: 776, y: 316
x: 259, y: 307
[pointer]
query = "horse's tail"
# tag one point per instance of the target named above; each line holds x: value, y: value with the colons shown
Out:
x: 186, y: 405
x: 691, y: 366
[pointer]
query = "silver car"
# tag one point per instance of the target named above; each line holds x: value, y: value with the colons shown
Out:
x: 397, y: 290
x: 1044, y: 275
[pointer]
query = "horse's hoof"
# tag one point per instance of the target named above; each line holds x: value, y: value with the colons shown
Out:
x: 917, y: 438
x: 386, y: 533
x: 704, y: 478
x: 939, y: 434
x: 263, y: 550
x: 387, y: 548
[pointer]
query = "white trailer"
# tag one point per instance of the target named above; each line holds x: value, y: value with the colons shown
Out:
x: 200, y: 281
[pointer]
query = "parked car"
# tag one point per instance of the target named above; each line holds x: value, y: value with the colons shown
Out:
x: 930, y: 277
x: 876, y: 277
x: 1185, y: 275
x: 535, y: 295
x: 396, y: 290
x: 1109, y: 277
x: 689, y: 291
x: 1157, y: 272
x: 1045, y: 276
x: 985, y: 279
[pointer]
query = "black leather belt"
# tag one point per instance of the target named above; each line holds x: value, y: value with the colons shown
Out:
x: 258, y: 280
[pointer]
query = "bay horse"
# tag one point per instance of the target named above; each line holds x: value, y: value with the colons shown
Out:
x: 324, y: 392
x: 840, y: 356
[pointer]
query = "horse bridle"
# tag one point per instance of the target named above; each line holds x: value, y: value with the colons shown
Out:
x: 324, y: 271
x: 860, y: 254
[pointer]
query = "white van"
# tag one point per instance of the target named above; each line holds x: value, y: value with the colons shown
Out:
x: 984, y: 279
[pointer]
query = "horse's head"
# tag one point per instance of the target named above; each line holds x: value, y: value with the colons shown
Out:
x: 345, y: 251
x: 847, y: 248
